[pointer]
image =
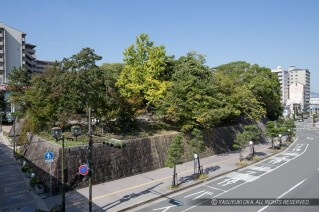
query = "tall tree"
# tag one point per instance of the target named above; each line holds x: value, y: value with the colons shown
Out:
x: 191, y: 100
x: 239, y: 99
x: 263, y: 84
x: 142, y: 79
x: 19, y: 82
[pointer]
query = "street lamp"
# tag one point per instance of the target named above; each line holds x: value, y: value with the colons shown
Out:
x: 289, y: 135
x: 57, y: 134
x: 76, y: 131
x: 279, y: 140
x: 252, y: 149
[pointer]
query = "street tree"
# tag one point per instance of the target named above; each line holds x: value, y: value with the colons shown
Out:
x: 174, y: 155
x: 197, y: 145
x: 254, y: 131
x: 241, y: 142
x: 271, y: 131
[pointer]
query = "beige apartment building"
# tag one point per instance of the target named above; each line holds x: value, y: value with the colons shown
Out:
x: 295, y: 88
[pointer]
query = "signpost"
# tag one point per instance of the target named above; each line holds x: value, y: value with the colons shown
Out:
x: 84, y: 169
x: 48, y: 158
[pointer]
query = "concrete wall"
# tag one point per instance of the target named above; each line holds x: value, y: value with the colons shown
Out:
x: 140, y: 155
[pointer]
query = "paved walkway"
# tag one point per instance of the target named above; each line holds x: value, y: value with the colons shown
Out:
x: 120, y: 194
x: 15, y: 194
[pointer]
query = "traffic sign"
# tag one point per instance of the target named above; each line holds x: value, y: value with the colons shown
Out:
x: 48, y: 157
x: 84, y: 169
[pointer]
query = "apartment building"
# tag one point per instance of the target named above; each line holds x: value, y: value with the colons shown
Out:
x: 295, y: 88
x: 297, y: 75
x: 284, y: 83
x: 16, y: 53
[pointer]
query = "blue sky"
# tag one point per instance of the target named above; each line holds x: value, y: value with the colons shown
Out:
x: 266, y: 32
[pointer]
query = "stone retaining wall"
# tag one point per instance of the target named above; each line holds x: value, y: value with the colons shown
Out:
x: 109, y: 163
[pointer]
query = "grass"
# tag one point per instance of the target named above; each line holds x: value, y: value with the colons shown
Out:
x: 202, y: 176
x: 173, y: 187
x: 255, y: 159
x: 242, y: 163
x: 142, y: 130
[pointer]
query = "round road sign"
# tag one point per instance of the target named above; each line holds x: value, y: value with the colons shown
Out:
x: 83, y: 169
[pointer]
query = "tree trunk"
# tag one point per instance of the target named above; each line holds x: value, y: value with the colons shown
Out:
x: 272, y: 143
x: 174, y: 177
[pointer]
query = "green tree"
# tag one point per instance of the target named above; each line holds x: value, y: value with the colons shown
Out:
x: 281, y: 130
x: 254, y: 131
x: 174, y: 155
x: 271, y: 131
x: 241, y: 142
x: 260, y: 81
x: 142, y: 79
x: 239, y: 99
x: 266, y: 87
x: 191, y: 100
x: 197, y: 143
x: 19, y: 82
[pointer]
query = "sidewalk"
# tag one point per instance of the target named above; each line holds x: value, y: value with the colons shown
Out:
x: 122, y: 193
x: 15, y: 192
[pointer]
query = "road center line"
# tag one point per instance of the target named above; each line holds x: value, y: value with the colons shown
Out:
x: 284, y: 194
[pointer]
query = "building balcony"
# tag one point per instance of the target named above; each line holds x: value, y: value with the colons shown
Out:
x: 1, y: 51
x: 1, y: 60
x: 1, y: 43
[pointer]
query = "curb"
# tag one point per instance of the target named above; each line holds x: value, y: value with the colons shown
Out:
x: 200, y: 182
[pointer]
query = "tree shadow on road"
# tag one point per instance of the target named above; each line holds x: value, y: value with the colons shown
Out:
x: 128, y: 197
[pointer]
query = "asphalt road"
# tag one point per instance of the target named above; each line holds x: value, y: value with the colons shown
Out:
x: 293, y: 173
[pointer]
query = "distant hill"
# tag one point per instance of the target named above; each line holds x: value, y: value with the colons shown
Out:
x: 314, y: 95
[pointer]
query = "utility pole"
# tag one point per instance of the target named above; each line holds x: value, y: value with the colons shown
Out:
x: 14, y: 136
x: 90, y: 160
x: 63, y: 188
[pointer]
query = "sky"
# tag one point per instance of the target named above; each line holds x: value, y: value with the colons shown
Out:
x: 264, y: 32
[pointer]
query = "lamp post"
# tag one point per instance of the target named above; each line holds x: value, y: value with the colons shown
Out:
x: 279, y: 140
x: 289, y: 138
x: 57, y: 134
x: 76, y: 131
x: 90, y: 160
x: 252, y: 149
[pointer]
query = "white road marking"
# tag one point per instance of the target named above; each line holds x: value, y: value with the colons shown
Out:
x: 284, y: 194
x: 227, y: 182
x: 201, y: 193
x: 187, y: 209
x: 217, y: 188
x: 164, y: 208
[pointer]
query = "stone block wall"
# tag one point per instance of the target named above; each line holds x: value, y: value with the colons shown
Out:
x: 109, y: 163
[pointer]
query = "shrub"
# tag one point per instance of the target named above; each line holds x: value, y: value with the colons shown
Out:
x: 34, y: 181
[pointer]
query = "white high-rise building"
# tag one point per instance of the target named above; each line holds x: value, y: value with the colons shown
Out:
x: 284, y: 83
x: 302, y: 76
x: 295, y: 88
